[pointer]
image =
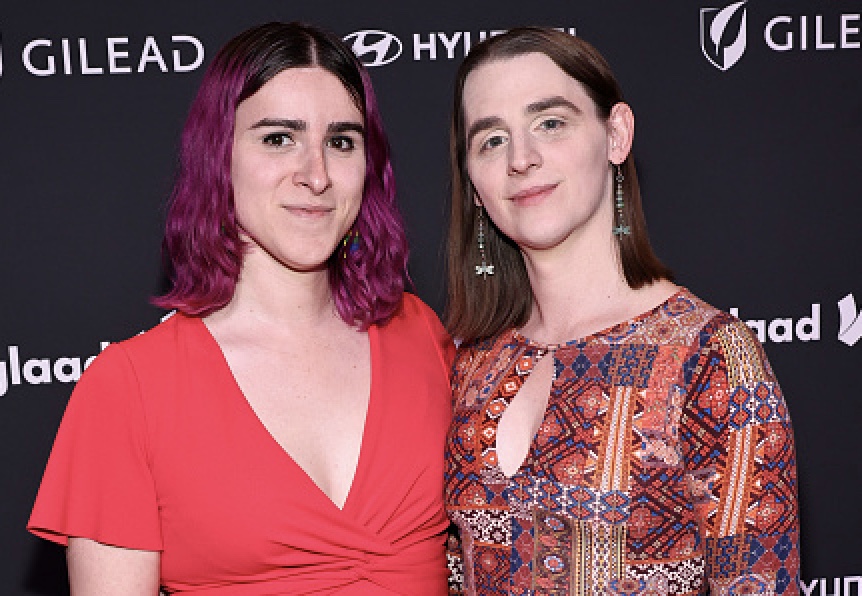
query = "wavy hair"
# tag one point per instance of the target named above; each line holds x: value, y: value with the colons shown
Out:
x: 202, y: 247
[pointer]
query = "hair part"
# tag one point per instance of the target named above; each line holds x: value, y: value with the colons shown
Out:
x: 202, y: 247
x: 479, y: 307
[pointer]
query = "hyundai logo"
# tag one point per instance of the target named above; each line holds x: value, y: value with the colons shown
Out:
x: 373, y: 47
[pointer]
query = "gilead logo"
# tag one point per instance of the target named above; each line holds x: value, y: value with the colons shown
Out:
x: 112, y: 55
x: 15, y: 370
x: 723, y: 34
x: 819, y: 32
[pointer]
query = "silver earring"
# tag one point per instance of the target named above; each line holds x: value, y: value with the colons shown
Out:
x: 485, y: 268
x: 621, y: 229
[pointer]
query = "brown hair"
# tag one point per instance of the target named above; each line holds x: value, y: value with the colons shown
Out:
x: 480, y: 307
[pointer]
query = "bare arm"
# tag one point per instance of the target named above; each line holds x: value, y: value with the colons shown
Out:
x: 96, y: 569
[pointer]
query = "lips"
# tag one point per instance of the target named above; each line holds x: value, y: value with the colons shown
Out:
x: 533, y: 194
x: 309, y: 210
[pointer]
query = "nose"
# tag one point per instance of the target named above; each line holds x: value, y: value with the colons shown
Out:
x: 523, y: 155
x: 312, y: 172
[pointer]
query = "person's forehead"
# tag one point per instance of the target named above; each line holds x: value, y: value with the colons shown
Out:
x: 308, y: 89
x: 519, y: 81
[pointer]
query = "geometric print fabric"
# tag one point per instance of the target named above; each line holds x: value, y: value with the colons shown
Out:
x: 664, y: 463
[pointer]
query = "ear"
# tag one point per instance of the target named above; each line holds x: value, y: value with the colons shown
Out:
x: 621, y: 132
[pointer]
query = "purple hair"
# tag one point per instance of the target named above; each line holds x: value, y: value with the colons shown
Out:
x: 202, y: 247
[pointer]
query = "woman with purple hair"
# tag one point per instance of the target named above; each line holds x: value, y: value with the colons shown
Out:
x: 283, y: 432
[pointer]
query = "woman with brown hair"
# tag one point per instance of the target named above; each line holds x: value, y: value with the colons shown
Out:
x: 613, y: 433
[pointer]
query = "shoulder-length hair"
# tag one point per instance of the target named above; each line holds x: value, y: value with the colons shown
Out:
x: 202, y: 246
x: 480, y: 307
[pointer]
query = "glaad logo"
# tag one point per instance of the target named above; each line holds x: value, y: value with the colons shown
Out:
x: 40, y: 371
x: 807, y: 328
x: 781, y: 330
x: 374, y: 47
x: 715, y: 31
x: 850, y: 321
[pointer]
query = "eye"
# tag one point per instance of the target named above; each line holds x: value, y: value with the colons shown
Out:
x: 552, y: 124
x: 492, y: 142
x: 278, y: 139
x: 342, y: 143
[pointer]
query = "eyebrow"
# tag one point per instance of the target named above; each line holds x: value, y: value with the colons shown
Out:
x: 489, y: 122
x: 298, y: 125
x: 302, y: 125
x: 482, y: 124
x: 339, y: 127
x: 557, y: 101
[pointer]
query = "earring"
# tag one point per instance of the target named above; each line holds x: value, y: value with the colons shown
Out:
x: 621, y: 229
x: 485, y: 268
x: 350, y: 244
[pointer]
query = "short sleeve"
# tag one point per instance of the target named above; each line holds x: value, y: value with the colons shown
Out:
x: 98, y: 482
x: 741, y: 465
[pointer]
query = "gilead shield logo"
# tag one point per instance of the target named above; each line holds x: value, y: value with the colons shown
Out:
x: 723, y: 34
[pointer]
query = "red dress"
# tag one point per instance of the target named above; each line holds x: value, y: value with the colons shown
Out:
x: 159, y: 450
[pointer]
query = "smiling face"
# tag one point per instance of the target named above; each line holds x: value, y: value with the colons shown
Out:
x: 538, y: 154
x: 297, y: 168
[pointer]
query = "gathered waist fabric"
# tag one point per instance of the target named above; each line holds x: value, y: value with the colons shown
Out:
x: 416, y: 572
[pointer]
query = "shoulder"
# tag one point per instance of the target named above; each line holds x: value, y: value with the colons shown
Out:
x: 729, y: 342
x: 414, y: 325
x: 717, y: 325
x: 172, y: 334
x: 413, y: 313
x: 413, y: 306
x: 471, y: 357
x: 687, y: 319
x: 156, y: 348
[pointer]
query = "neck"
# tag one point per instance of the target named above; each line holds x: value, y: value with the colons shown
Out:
x: 576, y: 288
x: 270, y: 294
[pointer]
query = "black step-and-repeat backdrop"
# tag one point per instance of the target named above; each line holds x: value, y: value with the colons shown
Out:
x: 749, y: 144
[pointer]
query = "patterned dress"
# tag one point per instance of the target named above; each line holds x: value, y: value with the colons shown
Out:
x: 664, y: 464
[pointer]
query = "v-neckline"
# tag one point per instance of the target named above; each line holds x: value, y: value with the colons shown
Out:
x: 245, y: 406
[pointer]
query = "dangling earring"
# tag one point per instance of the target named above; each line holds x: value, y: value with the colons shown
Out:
x: 621, y: 229
x: 350, y: 244
x: 485, y: 268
